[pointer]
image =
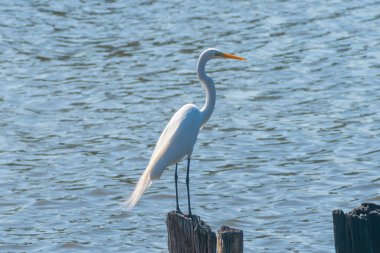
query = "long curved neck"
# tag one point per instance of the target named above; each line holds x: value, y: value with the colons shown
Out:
x: 208, y: 83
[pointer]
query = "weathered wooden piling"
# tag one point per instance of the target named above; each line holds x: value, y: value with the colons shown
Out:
x: 357, y: 231
x: 230, y: 240
x: 192, y: 235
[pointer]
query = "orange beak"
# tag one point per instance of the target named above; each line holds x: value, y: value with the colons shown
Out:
x: 232, y: 56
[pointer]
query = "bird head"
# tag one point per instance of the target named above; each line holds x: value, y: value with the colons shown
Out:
x: 213, y: 53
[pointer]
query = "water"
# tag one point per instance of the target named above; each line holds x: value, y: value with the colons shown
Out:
x: 87, y: 87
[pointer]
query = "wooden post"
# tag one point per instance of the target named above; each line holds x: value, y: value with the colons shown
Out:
x: 189, y: 235
x: 192, y: 235
x: 230, y: 240
x: 357, y: 231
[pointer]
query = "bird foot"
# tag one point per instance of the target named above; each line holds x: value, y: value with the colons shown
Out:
x: 191, y: 216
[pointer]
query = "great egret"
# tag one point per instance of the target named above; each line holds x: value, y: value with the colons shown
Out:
x: 179, y: 136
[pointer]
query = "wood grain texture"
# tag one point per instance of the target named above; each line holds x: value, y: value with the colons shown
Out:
x: 229, y: 240
x: 357, y: 231
x: 189, y: 235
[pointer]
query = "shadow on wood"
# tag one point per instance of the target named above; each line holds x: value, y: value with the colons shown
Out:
x: 230, y: 240
x: 189, y: 235
x: 357, y: 231
x: 192, y: 235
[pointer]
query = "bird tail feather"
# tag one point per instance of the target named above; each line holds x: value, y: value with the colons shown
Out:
x: 144, y: 182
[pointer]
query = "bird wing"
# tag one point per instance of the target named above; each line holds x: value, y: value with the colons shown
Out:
x: 177, y: 139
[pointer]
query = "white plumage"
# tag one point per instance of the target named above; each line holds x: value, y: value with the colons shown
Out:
x: 179, y: 136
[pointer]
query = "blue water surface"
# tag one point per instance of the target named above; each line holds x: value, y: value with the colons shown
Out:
x: 88, y: 86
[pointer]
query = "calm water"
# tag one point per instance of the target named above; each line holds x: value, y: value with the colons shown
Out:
x: 87, y: 87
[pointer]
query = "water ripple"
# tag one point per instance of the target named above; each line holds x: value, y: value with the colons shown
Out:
x: 88, y: 87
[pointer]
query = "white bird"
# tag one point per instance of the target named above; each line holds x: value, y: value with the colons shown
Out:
x: 179, y: 136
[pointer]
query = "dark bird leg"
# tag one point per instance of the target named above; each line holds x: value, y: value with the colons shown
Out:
x: 187, y: 185
x: 176, y: 189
